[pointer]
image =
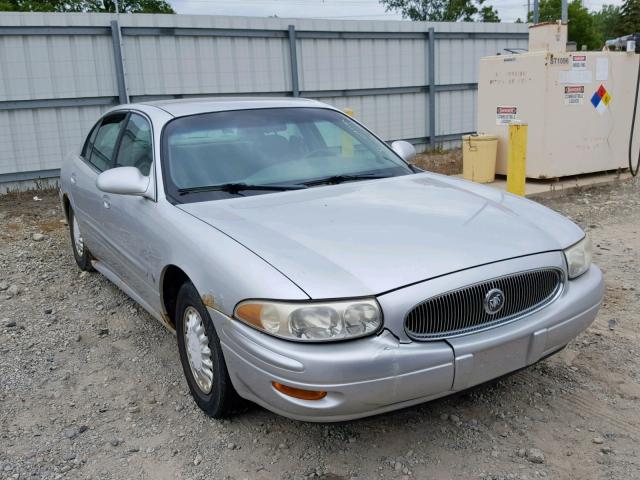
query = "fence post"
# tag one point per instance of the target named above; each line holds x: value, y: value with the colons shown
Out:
x: 123, y: 95
x: 431, y: 66
x: 295, y: 89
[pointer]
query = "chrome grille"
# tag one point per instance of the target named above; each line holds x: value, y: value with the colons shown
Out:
x: 463, y: 311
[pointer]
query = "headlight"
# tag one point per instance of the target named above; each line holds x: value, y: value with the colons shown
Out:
x: 312, y: 321
x: 579, y: 257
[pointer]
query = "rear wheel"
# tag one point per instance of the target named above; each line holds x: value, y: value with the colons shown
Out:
x: 201, y: 355
x: 80, y: 251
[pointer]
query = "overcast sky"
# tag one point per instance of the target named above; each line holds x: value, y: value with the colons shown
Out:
x: 509, y: 10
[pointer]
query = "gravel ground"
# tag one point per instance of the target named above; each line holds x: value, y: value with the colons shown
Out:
x: 91, y: 386
x: 447, y: 162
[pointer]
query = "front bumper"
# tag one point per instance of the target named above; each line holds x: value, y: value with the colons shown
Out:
x: 378, y: 374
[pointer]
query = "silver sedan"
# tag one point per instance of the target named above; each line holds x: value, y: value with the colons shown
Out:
x: 306, y: 266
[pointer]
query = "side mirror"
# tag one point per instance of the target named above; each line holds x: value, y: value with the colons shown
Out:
x: 404, y: 149
x: 123, y: 181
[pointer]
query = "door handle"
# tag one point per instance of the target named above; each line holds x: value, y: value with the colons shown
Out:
x: 105, y: 202
x: 73, y: 178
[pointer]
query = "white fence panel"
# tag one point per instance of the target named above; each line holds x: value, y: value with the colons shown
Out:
x: 205, y: 65
x: 37, y: 139
x: 42, y: 66
x: 334, y: 64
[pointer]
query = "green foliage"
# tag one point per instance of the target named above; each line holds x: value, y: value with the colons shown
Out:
x: 630, y: 17
x: 581, y: 24
x: 29, y: 6
x: 130, y: 6
x: 103, y: 6
x: 607, y: 23
x: 443, y: 10
x: 489, y: 14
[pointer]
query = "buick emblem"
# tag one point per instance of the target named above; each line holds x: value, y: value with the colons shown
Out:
x: 494, y: 301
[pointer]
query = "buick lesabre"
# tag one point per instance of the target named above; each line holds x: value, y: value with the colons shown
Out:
x: 305, y: 265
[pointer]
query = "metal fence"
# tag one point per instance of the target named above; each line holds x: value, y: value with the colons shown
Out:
x: 415, y: 81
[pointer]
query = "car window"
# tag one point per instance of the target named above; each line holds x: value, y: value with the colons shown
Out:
x: 270, y: 146
x: 105, y: 141
x: 135, y: 145
x: 88, y: 144
x: 334, y: 136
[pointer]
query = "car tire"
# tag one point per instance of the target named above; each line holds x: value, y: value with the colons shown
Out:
x: 201, y: 355
x: 80, y: 251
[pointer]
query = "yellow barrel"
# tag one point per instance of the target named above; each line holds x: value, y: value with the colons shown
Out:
x: 479, y: 157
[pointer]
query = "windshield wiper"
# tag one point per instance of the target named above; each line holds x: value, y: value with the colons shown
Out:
x: 335, y: 179
x: 238, y: 187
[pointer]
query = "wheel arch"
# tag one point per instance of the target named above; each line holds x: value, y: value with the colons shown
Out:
x: 173, y: 277
x: 66, y: 206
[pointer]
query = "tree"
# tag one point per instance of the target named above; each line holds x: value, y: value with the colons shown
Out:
x: 103, y: 6
x: 630, y: 17
x: 130, y: 6
x: 607, y: 23
x: 443, y: 10
x: 581, y: 24
x: 29, y: 6
x: 489, y: 14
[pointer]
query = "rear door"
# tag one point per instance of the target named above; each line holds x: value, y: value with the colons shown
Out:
x: 88, y: 202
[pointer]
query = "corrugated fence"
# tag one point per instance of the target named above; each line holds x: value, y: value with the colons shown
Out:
x: 406, y: 80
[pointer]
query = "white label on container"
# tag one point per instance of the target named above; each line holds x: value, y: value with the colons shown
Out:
x: 602, y: 69
x: 575, y: 76
x: 506, y: 115
x: 574, y: 95
x: 579, y: 62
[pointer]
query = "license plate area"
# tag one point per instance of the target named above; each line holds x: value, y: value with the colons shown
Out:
x: 480, y: 366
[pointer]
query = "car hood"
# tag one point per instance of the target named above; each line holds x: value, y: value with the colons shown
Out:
x: 369, y: 237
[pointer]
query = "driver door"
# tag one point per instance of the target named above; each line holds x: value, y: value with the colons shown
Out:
x: 129, y: 220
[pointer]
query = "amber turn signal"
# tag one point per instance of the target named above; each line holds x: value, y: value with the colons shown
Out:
x: 250, y: 313
x: 298, y: 392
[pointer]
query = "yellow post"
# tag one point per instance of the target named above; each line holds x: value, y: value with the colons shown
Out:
x: 346, y: 139
x: 517, y: 161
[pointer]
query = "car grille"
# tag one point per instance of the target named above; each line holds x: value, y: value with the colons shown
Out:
x: 463, y: 311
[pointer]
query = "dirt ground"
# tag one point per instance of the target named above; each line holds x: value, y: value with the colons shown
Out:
x: 91, y: 386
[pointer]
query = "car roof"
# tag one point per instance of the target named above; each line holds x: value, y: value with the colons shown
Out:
x: 193, y: 106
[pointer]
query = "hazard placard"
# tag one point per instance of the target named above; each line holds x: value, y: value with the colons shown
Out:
x: 506, y: 115
x: 574, y: 95
x: 579, y: 62
x: 601, y: 99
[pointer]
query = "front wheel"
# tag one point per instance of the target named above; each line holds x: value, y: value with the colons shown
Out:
x: 201, y: 355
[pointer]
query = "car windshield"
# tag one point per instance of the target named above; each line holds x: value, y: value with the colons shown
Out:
x: 226, y: 154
